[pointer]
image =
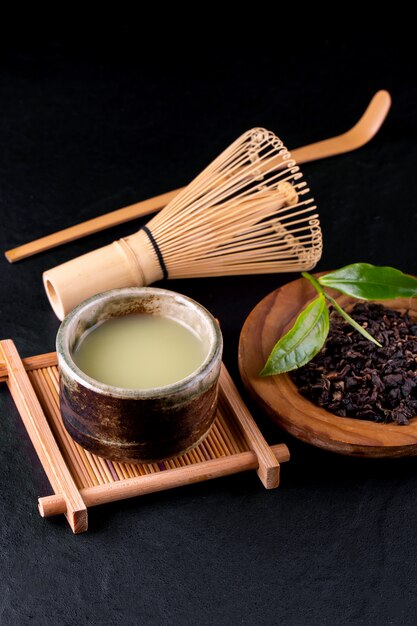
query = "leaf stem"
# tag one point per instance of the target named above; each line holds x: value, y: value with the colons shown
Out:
x: 339, y: 309
x: 313, y: 281
x: 351, y: 321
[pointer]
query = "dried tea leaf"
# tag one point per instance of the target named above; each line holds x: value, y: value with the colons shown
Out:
x: 353, y: 378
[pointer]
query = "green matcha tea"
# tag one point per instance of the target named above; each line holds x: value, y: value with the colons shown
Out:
x: 139, y: 351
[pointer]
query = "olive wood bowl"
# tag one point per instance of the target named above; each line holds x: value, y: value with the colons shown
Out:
x: 282, y: 401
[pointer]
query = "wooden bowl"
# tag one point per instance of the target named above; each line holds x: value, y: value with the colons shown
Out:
x: 280, y: 398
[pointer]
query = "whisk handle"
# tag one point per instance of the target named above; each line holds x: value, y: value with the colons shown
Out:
x: 103, y: 269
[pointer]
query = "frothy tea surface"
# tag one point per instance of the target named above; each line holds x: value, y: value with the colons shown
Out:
x: 139, y: 351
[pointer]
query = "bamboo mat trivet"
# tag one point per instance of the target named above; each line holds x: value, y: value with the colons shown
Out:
x: 80, y: 479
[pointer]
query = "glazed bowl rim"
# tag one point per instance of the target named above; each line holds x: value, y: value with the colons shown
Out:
x: 67, y: 363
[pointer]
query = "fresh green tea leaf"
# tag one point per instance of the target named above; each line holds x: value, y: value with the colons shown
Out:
x: 371, y: 282
x: 302, y: 342
x: 352, y: 322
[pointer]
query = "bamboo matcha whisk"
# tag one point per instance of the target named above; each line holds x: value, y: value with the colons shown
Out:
x: 248, y: 212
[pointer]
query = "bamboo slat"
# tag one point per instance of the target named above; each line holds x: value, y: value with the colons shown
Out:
x: 123, y: 489
x: 31, y: 363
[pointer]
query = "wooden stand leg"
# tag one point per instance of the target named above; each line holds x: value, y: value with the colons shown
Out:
x: 268, y: 466
x: 41, y: 436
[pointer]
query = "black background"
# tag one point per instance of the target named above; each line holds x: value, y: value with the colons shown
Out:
x: 90, y: 125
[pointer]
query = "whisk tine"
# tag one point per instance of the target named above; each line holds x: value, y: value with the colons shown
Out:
x: 249, y: 211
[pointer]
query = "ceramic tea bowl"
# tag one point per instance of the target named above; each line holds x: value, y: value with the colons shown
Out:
x: 141, y: 425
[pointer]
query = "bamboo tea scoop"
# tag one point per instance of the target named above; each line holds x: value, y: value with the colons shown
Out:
x: 362, y: 132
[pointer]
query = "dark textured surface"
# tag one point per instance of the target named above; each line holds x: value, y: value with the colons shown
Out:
x: 88, y: 128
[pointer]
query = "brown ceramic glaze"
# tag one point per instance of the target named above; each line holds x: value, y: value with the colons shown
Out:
x: 138, y: 425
